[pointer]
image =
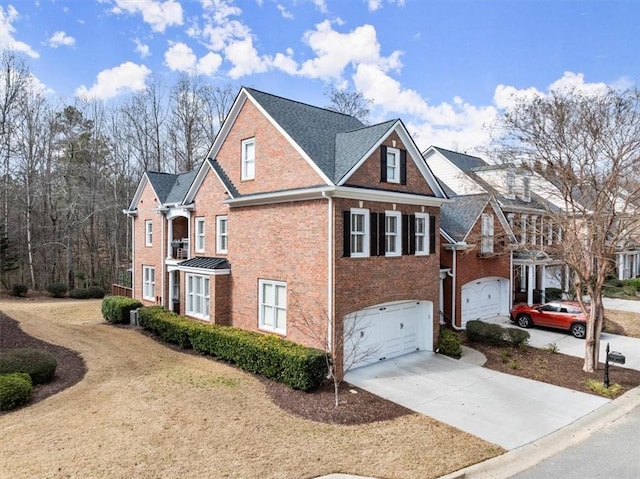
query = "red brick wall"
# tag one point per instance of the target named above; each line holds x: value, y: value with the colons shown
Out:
x: 278, y: 165
x: 363, y: 282
x: 282, y: 242
x: 208, y: 205
x: 148, y: 255
x: 368, y: 175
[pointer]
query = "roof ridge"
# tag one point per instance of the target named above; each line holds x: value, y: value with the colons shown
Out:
x: 298, y: 102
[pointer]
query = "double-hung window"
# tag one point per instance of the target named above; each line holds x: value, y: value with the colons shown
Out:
x: 222, y: 236
x: 486, y: 246
x: 272, y: 306
x: 197, y: 295
x: 392, y: 233
x: 199, y: 235
x: 149, y: 283
x: 248, y: 159
x: 148, y: 233
x: 393, y: 165
x: 422, y: 233
x: 359, y: 225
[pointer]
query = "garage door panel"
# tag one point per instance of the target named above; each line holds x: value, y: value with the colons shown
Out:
x: 484, y: 298
x: 387, y: 331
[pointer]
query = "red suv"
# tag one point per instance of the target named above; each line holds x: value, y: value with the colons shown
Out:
x: 565, y: 315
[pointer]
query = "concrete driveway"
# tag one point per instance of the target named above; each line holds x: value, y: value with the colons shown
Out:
x: 507, y: 410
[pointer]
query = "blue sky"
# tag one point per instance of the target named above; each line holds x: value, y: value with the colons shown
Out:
x: 446, y: 67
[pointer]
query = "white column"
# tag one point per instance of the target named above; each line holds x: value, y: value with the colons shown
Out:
x: 170, y: 290
x: 169, y: 239
x: 543, y: 283
x: 620, y: 266
x: 531, y: 281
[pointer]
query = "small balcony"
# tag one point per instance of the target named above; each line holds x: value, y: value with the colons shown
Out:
x: 180, y: 249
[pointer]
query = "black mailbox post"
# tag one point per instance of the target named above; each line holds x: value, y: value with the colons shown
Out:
x: 614, y: 357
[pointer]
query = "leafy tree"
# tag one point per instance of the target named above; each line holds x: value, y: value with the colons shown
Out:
x: 587, y: 146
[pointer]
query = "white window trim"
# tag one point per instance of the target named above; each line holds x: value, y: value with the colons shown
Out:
x: 398, y: 234
x: 200, y: 235
x: 365, y: 234
x: 276, y: 308
x: 396, y: 167
x: 148, y: 232
x: 220, y: 247
x: 425, y: 234
x: 149, y: 283
x: 204, y: 297
x: 245, y: 174
x: 487, y: 243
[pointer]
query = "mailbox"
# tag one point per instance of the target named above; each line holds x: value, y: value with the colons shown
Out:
x: 616, y: 357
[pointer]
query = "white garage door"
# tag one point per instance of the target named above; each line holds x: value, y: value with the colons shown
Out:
x: 484, y: 298
x: 386, y: 331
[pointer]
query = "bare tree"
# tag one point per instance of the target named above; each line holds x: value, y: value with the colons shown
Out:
x: 349, y: 102
x: 586, y: 147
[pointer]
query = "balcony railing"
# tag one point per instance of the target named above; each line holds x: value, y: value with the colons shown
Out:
x: 180, y: 248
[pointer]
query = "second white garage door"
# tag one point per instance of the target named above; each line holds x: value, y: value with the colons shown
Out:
x: 386, y: 331
x: 484, y: 298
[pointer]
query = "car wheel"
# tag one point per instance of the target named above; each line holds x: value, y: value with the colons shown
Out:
x: 578, y: 330
x: 524, y: 321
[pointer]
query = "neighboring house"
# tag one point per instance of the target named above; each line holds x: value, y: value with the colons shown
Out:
x: 300, y: 221
x: 533, y: 268
x: 475, y: 253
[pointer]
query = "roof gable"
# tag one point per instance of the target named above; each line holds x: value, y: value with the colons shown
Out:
x: 458, y: 216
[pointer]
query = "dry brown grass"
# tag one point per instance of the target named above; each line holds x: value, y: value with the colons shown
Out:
x: 144, y: 410
x: 624, y: 322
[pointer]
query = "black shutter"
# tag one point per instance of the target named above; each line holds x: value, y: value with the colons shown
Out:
x: 405, y: 234
x: 432, y: 234
x: 383, y: 163
x: 346, y: 233
x: 412, y: 234
x: 403, y: 167
x: 382, y: 228
x: 373, y: 234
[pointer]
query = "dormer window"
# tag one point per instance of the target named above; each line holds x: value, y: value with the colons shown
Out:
x: 486, y: 246
x: 393, y: 165
x: 526, y: 188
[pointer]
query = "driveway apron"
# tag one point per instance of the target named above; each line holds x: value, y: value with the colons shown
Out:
x: 507, y: 410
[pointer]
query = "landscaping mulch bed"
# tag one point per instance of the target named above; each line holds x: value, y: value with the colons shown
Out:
x: 553, y: 368
x: 71, y: 367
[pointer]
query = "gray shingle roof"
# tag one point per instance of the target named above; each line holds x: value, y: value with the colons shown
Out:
x: 205, y: 262
x: 458, y: 217
x: 223, y: 176
x: 464, y: 162
x: 171, y: 188
x: 314, y: 129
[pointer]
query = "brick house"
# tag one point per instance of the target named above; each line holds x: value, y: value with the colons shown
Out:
x: 475, y: 257
x: 531, y: 235
x: 299, y: 221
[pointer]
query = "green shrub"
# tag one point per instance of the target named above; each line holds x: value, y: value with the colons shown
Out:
x: 96, y: 292
x: 552, y: 294
x: 297, y: 366
x: 486, y: 333
x: 449, y: 343
x: 15, y: 390
x: 57, y: 290
x: 79, y: 293
x: 19, y: 290
x: 116, y: 309
x: 39, y: 364
x: 516, y: 337
x: 634, y: 282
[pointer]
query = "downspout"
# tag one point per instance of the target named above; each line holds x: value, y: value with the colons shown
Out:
x: 133, y: 256
x: 162, y: 257
x: 330, y: 254
x: 453, y: 290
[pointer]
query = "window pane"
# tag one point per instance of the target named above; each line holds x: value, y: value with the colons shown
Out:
x: 267, y: 293
x: 267, y: 315
x: 281, y: 319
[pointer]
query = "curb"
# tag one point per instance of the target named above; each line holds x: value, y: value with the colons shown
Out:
x: 524, y: 457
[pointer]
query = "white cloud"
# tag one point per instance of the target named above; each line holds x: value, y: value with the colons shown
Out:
x: 159, y: 14
x: 60, y: 38
x: 245, y: 59
x: 285, y: 13
x: 7, y: 31
x: 142, y: 48
x: 115, y: 81
x: 374, y: 5
x: 575, y: 82
x: 286, y: 63
x: 180, y: 57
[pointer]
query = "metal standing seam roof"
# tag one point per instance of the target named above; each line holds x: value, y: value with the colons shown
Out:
x: 458, y: 217
x: 315, y: 130
x: 205, y: 262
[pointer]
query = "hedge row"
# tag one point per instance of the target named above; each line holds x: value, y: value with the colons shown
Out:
x: 116, y: 309
x: 495, y: 335
x: 15, y: 390
x: 297, y: 366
